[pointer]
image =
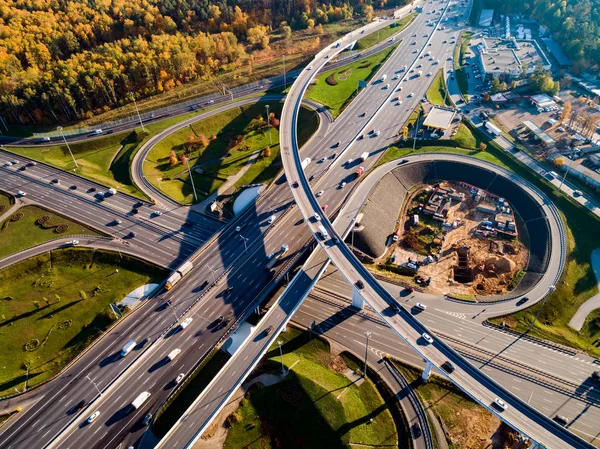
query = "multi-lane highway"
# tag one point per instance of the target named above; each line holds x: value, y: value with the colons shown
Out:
x: 480, y: 387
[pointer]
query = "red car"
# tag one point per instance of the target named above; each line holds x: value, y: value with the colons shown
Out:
x: 324, y: 207
x: 409, y: 289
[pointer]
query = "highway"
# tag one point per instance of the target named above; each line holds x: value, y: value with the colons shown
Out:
x: 480, y: 387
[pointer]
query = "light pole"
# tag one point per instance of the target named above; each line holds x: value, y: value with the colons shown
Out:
x: 284, y: 78
x: 367, y: 334
x: 352, y: 230
x: 280, y: 344
x: 269, y: 124
x: 567, y: 172
x: 131, y: 94
x: 187, y: 162
x: 550, y: 290
x: 212, y: 270
x: 245, y: 242
x: 60, y: 130
x: 416, y: 129
x: 94, y: 384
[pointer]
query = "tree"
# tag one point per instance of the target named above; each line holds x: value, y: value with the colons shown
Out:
x: 82, y: 295
x: 285, y: 30
x: 258, y: 35
x: 495, y: 85
x: 203, y: 140
x: 565, y: 81
x: 319, y: 29
x: 486, y: 96
x: 368, y: 12
x: 172, y: 158
x: 310, y: 24
x: 559, y: 161
x: 482, y: 146
x: 266, y: 152
x: 567, y: 107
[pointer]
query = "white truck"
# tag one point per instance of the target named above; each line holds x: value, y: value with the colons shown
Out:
x: 174, y: 353
x: 176, y: 276
x: 364, y: 156
x: 493, y: 129
x: 323, y: 232
x: 128, y: 347
x: 305, y: 163
x: 137, y: 402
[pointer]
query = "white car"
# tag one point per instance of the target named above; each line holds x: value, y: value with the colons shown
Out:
x: 410, y: 95
x: 309, y: 67
x: 317, y: 217
x: 185, y: 323
x: 117, y: 221
x: 427, y: 337
x: 157, y: 213
x: 500, y: 403
x: 21, y: 193
x: 98, y: 131
x: 93, y: 417
x: 238, y: 228
x: 320, y: 193
x: 349, y: 161
x: 342, y: 185
x: 376, y: 133
x: 74, y: 242
x: 7, y: 164
x: 272, y: 219
x: 179, y: 378
x: 399, y: 103
x: 420, y: 306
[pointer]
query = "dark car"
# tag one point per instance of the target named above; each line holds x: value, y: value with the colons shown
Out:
x: 360, y: 284
x: 131, y: 235
x: 77, y: 406
x: 135, y: 211
x: 92, y: 189
x: 416, y: 430
x: 448, y: 367
x: 228, y: 289
x: 138, y: 204
x: 55, y: 181
x: 395, y: 307
x: 73, y: 187
x: 562, y: 420
x: 269, y: 330
x: 204, y: 284
x: 596, y: 375
x: 522, y: 301
x: 335, y: 145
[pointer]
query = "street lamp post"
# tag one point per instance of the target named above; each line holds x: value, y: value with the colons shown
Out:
x: 245, y: 239
x: 187, y: 162
x: 415, y: 137
x: 284, y: 77
x: 131, y: 94
x: 94, y: 384
x: 269, y: 125
x: 280, y: 344
x: 212, y: 270
x: 367, y: 334
x: 566, y: 173
x: 60, y: 130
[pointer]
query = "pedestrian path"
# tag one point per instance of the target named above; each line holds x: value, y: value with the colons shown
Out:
x: 594, y: 302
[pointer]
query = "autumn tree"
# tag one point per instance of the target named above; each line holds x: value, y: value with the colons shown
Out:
x: 202, y: 140
x: 559, y: 161
x: 172, y: 158
x: 482, y: 146
x: 266, y: 152
x: 285, y: 30
x: 567, y: 107
x: 259, y: 36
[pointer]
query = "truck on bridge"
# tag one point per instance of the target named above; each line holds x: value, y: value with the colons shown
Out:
x: 274, y: 258
x: 176, y: 276
x: 359, y: 172
x: 364, y: 156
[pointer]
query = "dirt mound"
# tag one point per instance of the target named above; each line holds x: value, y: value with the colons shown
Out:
x: 499, y: 265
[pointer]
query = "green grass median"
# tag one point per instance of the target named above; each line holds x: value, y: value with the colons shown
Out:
x: 336, y: 88
x: 53, y: 305
x: 437, y: 93
x: 23, y: 229
x: 384, y: 33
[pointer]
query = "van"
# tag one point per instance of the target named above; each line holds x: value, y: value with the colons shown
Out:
x: 128, y: 348
x: 174, y: 353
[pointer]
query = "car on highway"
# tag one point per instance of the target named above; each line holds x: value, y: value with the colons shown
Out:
x: 98, y: 131
x: 77, y: 406
x: 147, y: 419
x: 420, y: 306
x: 324, y: 207
x: 499, y: 403
x: 562, y: 420
x: 74, y: 242
x: 21, y: 193
x: 409, y: 290
x: 131, y: 235
x: 185, y: 323
x: 317, y: 217
x: 427, y: 337
x: 271, y: 219
x: 416, y: 430
x: 376, y: 133
x: 93, y: 417
x: 359, y: 284
x: 410, y: 95
x: 117, y: 221
x: 577, y: 193
x: 179, y: 378
x: 320, y: 193
x: 55, y: 181
x: 268, y: 330
x: 522, y: 301
x: 342, y: 185
x: 32, y: 164
x: 395, y: 307
x: 135, y: 211
x: 448, y: 367
x: 156, y: 213
x: 8, y: 164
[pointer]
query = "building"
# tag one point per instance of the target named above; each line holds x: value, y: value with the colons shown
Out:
x: 507, y: 59
x: 486, y: 17
x: 559, y: 55
x: 538, y: 133
x: 439, y: 118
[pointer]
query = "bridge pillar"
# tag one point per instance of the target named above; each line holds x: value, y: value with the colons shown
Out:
x: 357, y: 299
x: 426, y: 371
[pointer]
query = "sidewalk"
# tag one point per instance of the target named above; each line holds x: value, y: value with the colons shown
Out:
x: 594, y: 302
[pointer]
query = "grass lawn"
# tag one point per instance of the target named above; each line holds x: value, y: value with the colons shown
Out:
x: 437, y: 91
x: 53, y: 305
x: 104, y: 160
x: 336, y: 88
x: 465, y: 421
x: 383, y: 33
x: 6, y: 202
x: 312, y: 396
x: 459, y: 55
x: 222, y: 157
x: 12, y: 232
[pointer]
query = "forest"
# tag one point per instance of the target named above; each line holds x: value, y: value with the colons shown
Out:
x: 62, y: 61
x: 575, y: 24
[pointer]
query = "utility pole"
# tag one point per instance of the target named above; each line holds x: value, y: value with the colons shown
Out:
x: 367, y: 334
x: 187, y: 162
x: 212, y: 270
x: 132, y: 95
x: 269, y: 124
x: 60, y: 130
x: 550, y: 290
x: 280, y: 344
x: 567, y: 172
x: 94, y: 384
x: 245, y: 239
x: 284, y: 78
x: 416, y: 129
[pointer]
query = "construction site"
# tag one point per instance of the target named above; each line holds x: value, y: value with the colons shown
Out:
x: 456, y: 239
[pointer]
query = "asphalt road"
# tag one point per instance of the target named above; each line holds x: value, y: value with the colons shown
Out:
x: 480, y: 387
